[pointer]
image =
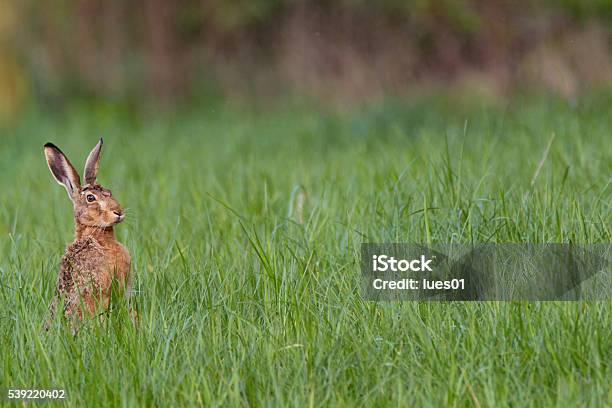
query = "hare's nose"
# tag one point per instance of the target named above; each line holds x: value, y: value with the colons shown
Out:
x: 118, y: 213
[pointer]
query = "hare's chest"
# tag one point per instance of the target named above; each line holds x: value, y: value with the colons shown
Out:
x: 115, y: 265
x: 119, y: 262
x: 95, y: 265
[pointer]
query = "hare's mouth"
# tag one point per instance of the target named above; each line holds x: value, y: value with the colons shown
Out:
x: 120, y: 216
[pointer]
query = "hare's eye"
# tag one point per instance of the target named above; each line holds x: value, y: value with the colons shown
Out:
x: 91, y: 198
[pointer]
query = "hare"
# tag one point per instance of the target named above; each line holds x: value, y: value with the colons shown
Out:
x: 95, y: 258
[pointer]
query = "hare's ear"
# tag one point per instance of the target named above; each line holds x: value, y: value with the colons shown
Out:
x: 62, y: 170
x: 92, y: 163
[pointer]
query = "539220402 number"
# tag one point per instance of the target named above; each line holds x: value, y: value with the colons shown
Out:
x: 34, y: 394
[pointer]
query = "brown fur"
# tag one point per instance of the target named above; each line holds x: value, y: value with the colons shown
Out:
x: 95, y: 258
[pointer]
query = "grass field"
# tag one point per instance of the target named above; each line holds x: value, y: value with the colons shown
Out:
x: 244, y: 229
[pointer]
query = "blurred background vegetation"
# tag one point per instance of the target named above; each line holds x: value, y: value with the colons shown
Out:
x: 168, y: 54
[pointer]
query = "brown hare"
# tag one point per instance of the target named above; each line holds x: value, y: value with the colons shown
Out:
x: 95, y: 258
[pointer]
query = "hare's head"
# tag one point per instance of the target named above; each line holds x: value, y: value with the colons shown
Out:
x: 94, y: 205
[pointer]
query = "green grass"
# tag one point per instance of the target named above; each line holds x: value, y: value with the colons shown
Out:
x: 241, y: 303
